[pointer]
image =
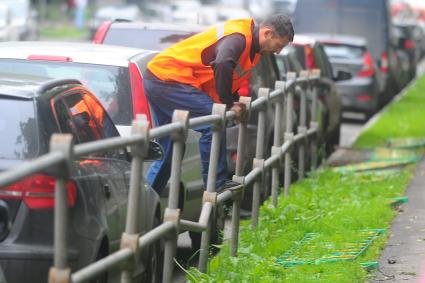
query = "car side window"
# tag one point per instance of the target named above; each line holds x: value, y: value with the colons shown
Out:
x: 105, y: 125
x: 82, y: 118
x: 281, y: 65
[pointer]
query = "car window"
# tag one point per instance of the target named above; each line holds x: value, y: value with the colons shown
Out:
x: 18, y: 129
x: 281, y: 65
x: 84, y: 117
x: 77, y: 116
x: 110, y: 84
x: 105, y: 124
x: 145, y: 38
x: 343, y: 51
x: 322, y: 62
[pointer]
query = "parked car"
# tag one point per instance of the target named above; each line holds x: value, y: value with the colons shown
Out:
x: 126, y: 12
x: 23, y: 19
x: 113, y: 74
x: 311, y: 54
x: 408, y: 41
x: 150, y: 36
x: 97, y: 188
x: 7, y: 31
x: 364, y: 18
x: 351, y: 54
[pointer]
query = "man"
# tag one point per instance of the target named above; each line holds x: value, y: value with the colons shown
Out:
x: 208, y: 68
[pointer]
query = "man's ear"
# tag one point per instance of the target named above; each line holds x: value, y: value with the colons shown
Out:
x: 268, y: 32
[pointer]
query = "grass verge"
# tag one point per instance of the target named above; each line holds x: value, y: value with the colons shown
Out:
x: 334, y: 205
x: 401, y: 119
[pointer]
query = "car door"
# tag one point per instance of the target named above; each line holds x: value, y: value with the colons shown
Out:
x: 117, y: 158
x: 98, y: 179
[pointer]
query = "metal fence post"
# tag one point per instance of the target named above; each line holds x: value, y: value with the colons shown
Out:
x: 211, y: 195
x: 302, y: 127
x: 60, y: 272
x: 277, y: 139
x: 239, y: 176
x: 172, y: 212
x: 259, y: 156
x: 289, y: 134
x: 130, y: 238
x: 315, y: 76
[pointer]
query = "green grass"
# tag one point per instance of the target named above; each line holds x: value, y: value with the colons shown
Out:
x: 402, y: 119
x: 334, y: 205
x: 64, y: 32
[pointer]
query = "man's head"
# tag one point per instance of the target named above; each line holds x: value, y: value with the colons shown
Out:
x: 275, y: 33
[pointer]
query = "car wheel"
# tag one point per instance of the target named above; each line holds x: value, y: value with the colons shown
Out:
x: 155, y: 260
x: 104, y: 277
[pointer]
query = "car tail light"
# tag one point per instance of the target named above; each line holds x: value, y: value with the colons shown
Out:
x: 409, y: 44
x: 309, y: 57
x: 38, y: 192
x: 363, y: 97
x: 368, y: 69
x: 384, y: 62
x: 140, y: 103
x: 50, y: 58
x: 244, y: 89
x: 101, y: 32
x: 234, y: 156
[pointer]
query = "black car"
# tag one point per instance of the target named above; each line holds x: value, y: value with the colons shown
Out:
x: 31, y: 110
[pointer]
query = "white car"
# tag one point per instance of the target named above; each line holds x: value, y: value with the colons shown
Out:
x: 23, y: 19
x: 7, y: 32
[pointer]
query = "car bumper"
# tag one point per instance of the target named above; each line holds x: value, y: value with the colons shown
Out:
x: 28, y: 263
x: 358, y: 95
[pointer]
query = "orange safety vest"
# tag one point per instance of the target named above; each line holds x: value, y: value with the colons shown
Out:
x: 182, y: 62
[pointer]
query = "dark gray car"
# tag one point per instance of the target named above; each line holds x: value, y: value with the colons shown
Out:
x: 364, y: 18
x: 31, y: 110
x: 351, y: 54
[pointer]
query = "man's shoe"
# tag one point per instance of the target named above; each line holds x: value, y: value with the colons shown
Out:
x: 229, y: 185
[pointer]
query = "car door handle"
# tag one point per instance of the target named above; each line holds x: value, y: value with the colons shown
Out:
x: 107, y: 191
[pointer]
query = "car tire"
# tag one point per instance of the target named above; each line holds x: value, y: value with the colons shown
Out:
x: 104, y: 277
x: 155, y: 260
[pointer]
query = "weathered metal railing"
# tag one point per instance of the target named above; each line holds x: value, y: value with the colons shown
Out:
x: 62, y: 152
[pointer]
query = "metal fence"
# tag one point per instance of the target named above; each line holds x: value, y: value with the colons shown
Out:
x: 62, y: 152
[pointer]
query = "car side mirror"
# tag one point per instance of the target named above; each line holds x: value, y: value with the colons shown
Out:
x: 343, y: 76
x: 155, y: 151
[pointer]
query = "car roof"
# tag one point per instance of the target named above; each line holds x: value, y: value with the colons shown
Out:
x: 335, y: 38
x: 88, y: 53
x: 160, y: 26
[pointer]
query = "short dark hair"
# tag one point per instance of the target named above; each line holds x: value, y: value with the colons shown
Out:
x: 281, y: 24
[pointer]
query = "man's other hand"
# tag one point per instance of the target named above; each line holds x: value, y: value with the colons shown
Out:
x: 240, y: 111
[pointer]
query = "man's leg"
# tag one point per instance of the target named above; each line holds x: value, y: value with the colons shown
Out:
x: 205, y: 150
x: 164, y: 97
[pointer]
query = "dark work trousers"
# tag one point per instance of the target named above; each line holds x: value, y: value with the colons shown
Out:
x: 164, y: 98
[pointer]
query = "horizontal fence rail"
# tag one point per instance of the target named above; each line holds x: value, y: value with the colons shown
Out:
x: 62, y: 152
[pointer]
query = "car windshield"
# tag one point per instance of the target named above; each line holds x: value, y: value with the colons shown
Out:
x: 110, y: 84
x: 146, y: 39
x: 343, y: 51
x: 18, y: 129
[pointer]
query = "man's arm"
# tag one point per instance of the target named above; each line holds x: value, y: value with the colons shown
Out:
x: 227, y: 53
